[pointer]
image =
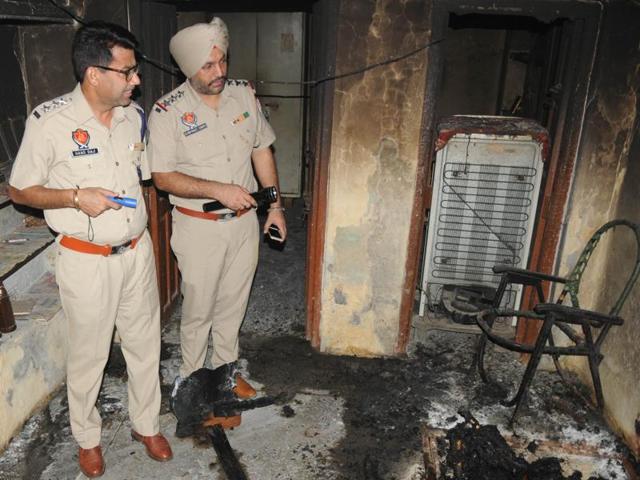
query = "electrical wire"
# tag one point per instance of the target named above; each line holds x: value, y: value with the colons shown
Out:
x: 312, y: 83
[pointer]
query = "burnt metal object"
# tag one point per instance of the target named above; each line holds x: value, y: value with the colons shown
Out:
x: 207, y: 394
x: 450, y: 126
x: 463, y: 303
x: 586, y: 329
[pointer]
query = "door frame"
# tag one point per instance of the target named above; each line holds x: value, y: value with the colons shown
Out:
x: 319, y: 146
x: 586, y: 18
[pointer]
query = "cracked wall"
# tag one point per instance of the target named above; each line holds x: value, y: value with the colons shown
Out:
x: 605, y: 187
x: 372, y: 173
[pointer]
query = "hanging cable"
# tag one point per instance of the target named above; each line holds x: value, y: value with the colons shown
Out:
x: 312, y: 83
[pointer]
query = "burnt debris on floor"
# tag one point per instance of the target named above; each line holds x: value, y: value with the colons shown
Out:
x: 471, y: 451
x: 334, y: 417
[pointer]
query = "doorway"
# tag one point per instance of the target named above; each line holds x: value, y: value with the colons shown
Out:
x: 535, y: 65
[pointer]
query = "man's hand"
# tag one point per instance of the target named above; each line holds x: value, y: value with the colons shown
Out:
x: 94, y: 201
x: 234, y: 197
x: 276, y: 217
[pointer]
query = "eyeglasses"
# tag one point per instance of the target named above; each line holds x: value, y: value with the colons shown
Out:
x: 128, y: 72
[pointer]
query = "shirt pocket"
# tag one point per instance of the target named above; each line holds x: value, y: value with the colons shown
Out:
x: 245, y: 138
x: 202, y: 157
x: 88, y: 169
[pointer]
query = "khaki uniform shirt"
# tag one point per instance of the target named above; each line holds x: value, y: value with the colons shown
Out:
x: 65, y: 146
x: 188, y: 136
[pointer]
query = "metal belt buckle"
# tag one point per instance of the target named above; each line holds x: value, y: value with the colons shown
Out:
x: 120, y: 248
x: 225, y: 217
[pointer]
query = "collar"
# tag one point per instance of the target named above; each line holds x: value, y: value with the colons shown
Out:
x: 84, y: 113
x: 195, y: 99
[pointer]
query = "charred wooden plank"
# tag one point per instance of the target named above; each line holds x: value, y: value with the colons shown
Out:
x: 432, y: 458
x: 228, y: 460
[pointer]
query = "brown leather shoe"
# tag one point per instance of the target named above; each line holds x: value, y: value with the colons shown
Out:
x: 157, y: 446
x: 91, y: 461
x: 242, y: 389
x: 225, y: 422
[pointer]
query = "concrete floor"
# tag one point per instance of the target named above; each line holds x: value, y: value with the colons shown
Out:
x: 335, y: 418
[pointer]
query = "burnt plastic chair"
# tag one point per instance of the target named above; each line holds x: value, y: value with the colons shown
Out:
x: 585, y: 329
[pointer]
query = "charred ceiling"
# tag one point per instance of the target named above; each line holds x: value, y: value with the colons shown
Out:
x: 12, y: 11
x: 242, y: 6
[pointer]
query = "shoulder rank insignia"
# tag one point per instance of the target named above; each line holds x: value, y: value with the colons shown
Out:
x: 51, y: 106
x: 241, y: 83
x: 161, y: 105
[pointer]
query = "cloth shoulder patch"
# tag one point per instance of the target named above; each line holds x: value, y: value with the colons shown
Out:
x: 51, y: 105
x: 163, y: 104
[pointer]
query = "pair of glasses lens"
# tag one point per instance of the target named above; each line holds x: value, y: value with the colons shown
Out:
x: 128, y: 73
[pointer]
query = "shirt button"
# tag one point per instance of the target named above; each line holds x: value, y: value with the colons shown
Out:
x: 128, y: 220
x: 123, y: 192
x: 228, y: 159
x: 223, y: 137
x: 117, y: 164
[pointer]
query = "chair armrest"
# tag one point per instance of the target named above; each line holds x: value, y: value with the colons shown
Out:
x: 520, y: 275
x: 577, y: 316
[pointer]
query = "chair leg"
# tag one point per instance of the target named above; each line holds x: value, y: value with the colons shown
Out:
x: 480, y: 352
x: 556, y: 361
x: 481, y: 349
x: 594, y: 366
x: 530, y: 371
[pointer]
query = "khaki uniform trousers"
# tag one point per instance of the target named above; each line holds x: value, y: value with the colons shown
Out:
x: 217, y: 261
x: 98, y: 293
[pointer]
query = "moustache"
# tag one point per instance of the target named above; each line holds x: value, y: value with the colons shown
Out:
x: 223, y: 79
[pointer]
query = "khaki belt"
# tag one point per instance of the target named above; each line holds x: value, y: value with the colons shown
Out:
x: 212, y: 215
x: 95, y: 249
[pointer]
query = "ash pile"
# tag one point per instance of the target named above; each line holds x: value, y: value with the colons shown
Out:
x: 471, y: 451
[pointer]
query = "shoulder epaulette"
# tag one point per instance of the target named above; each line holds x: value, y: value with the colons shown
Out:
x: 163, y: 104
x: 242, y: 83
x: 238, y: 83
x: 51, y: 105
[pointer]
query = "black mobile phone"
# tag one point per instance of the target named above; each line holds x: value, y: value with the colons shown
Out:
x: 274, y: 233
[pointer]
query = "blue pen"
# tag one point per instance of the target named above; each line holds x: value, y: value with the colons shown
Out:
x: 125, y: 201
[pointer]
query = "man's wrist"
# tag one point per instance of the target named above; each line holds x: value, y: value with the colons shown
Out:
x: 76, y: 199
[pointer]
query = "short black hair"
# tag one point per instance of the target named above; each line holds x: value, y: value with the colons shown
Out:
x: 93, y: 42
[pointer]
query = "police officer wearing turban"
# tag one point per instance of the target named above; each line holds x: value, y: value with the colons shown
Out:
x: 207, y: 137
x: 78, y: 152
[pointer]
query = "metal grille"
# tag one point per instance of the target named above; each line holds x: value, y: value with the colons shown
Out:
x: 482, y: 213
